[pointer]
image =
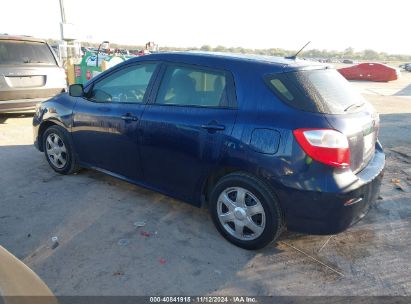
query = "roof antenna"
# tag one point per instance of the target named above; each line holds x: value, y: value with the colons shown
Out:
x: 295, y: 56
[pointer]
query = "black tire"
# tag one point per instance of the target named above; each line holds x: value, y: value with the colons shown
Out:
x: 71, y: 164
x: 269, y: 202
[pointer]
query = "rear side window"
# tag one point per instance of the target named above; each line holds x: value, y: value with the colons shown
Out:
x: 320, y: 91
x: 191, y: 86
x: 25, y: 52
x: 281, y: 88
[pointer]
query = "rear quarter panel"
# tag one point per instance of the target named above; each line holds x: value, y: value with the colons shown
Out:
x: 285, y: 167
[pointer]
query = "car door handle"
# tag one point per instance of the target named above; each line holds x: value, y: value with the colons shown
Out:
x: 213, y: 127
x: 129, y: 117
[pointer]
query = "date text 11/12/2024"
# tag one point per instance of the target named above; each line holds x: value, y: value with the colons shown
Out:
x: 203, y: 299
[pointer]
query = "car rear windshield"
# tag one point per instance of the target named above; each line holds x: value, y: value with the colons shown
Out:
x: 25, y: 52
x: 320, y: 91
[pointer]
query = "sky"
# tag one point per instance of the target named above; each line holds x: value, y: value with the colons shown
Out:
x: 329, y: 24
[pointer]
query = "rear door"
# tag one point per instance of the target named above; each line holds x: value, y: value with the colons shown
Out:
x: 106, y: 123
x: 184, y: 129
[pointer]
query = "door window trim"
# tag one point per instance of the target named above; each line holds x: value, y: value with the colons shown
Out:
x: 231, y: 91
x: 89, y: 87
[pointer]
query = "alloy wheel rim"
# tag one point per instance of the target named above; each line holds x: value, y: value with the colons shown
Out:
x: 241, y: 213
x: 56, y: 150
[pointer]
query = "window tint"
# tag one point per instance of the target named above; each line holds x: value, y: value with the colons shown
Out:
x: 128, y: 85
x: 321, y: 91
x: 193, y: 87
x: 282, y: 89
x: 25, y: 52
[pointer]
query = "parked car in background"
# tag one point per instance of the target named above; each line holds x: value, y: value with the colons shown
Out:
x: 134, y: 52
x: 29, y: 73
x: 407, y: 67
x: 370, y: 71
x: 348, y: 61
x: 404, y: 65
x: 265, y: 142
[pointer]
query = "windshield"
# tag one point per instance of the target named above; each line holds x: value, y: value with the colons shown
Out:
x: 322, y: 91
x: 25, y: 52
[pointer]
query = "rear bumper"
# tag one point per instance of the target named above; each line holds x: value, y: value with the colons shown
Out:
x: 333, y: 212
x: 19, y: 105
x: 25, y: 100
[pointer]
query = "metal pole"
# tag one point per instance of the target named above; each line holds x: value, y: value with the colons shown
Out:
x: 62, y: 12
x: 63, y: 22
x: 98, y: 51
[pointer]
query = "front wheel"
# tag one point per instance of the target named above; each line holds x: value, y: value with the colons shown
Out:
x: 245, y: 211
x: 58, y: 150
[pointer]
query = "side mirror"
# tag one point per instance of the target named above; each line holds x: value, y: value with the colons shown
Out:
x: 76, y: 90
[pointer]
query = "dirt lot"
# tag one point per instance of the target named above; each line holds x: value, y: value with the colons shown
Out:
x: 179, y: 251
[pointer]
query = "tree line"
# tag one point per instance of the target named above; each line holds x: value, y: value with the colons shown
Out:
x: 348, y: 53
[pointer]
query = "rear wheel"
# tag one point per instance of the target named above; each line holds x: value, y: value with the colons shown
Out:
x: 245, y: 211
x: 58, y: 150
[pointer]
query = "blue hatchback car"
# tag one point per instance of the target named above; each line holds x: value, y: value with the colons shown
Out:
x: 266, y: 143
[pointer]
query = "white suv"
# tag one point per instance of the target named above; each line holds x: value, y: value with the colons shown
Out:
x: 29, y: 73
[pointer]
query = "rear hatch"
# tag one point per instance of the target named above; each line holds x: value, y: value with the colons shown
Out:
x: 361, y: 129
x: 326, y: 91
x: 28, y: 69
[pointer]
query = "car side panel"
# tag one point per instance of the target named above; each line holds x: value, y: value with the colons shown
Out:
x: 57, y: 110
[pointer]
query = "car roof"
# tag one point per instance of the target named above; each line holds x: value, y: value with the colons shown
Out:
x: 20, y: 38
x: 217, y: 58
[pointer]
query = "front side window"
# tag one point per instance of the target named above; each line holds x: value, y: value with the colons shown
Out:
x: 127, y: 85
x: 191, y: 86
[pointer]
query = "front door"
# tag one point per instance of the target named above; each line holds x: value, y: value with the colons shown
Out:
x: 106, y: 122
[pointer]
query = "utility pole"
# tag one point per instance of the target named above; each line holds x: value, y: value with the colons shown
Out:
x: 63, y: 14
x: 68, y: 35
x: 62, y: 24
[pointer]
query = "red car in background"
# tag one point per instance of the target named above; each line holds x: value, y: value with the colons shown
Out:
x: 371, y: 72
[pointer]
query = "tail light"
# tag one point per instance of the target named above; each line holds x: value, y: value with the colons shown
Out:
x: 325, y: 145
